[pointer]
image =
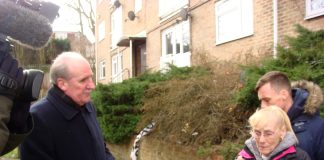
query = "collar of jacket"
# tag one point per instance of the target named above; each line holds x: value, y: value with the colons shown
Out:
x: 299, y: 101
x: 311, y: 102
x: 65, y: 104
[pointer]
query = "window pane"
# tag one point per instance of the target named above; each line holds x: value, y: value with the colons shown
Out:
x: 234, y: 19
x: 116, y: 26
x: 229, y: 24
x: 314, y: 8
x: 186, y: 37
x: 120, y: 62
x: 178, y: 39
x: 101, y: 30
x: 168, y: 43
x: 103, y: 69
x: 114, y: 66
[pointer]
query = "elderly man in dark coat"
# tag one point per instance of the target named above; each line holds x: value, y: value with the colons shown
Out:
x: 65, y: 120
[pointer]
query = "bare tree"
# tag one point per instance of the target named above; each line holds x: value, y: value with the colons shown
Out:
x: 86, y: 18
x: 86, y: 13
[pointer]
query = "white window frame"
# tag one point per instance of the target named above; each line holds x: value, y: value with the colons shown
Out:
x: 167, y: 7
x: 102, y: 70
x: 234, y: 20
x: 61, y: 35
x: 101, y: 31
x: 138, y: 5
x: 117, y: 68
x: 116, y: 26
x: 177, y: 33
x: 178, y: 57
x: 314, y: 8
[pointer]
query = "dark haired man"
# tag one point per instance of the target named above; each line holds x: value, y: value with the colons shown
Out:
x: 301, y: 101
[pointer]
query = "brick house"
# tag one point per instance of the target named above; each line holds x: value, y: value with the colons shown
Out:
x: 135, y: 35
x: 79, y: 43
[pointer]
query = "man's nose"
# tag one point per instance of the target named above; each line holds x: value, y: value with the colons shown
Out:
x: 91, y: 85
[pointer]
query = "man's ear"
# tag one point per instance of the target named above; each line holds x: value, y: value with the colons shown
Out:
x: 61, y: 83
x: 284, y: 94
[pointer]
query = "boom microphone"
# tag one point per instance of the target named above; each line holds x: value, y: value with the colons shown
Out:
x: 24, y: 25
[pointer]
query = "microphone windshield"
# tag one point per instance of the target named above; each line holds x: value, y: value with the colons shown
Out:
x: 24, y: 25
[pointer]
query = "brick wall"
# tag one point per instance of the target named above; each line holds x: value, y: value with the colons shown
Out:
x: 202, y: 29
x: 103, y: 46
x: 203, y: 32
x: 292, y: 12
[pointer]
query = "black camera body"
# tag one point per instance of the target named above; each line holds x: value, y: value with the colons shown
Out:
x: 32, y: 78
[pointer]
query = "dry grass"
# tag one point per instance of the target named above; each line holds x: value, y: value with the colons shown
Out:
x: 197, y: 110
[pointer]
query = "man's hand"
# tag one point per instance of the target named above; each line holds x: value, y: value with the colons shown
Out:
x: 11, y: 76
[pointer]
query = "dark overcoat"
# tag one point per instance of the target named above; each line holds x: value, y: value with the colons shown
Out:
x: 63, y: 131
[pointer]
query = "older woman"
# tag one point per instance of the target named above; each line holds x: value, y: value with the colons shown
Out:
x: 272, y: 137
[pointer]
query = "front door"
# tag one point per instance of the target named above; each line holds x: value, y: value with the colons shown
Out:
x: 140, y: 59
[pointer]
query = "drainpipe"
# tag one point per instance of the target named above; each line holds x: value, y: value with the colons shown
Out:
x: 131, y: 57
x: 96, y: 60
x: 275, y: 27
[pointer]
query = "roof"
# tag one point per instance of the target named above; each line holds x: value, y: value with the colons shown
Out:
x: 138, y: 38
x: 124, y: 41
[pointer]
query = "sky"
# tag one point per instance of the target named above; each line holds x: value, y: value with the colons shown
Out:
x: 68, y: 20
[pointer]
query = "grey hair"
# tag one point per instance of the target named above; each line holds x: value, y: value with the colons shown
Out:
x: 60, y: 65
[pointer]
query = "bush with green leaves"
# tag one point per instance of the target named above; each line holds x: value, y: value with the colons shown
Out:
x: 303, y: 58
x: 205, y: 149
x: 117, y: 109
x: 229, y: 150
x: 119, y: 104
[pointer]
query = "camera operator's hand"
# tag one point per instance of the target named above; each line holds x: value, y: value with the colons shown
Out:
x: 11, y: 76
x: 11, y: 81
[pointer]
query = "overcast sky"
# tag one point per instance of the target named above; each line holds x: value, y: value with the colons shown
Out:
x: 68, y: 20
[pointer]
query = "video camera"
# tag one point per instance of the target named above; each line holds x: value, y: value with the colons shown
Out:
x: 28, y: 22
x: 32, y: 78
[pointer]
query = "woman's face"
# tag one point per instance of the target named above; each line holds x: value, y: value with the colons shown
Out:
x: 267, y: 137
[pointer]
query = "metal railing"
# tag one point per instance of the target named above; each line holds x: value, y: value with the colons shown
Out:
x: 119, y: 77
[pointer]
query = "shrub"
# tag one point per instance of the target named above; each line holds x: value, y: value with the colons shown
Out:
x: 119, y: 104
x: 229, y: 150
x: 302, y: 59
x: 205, y: 149
x: 117, y: 108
